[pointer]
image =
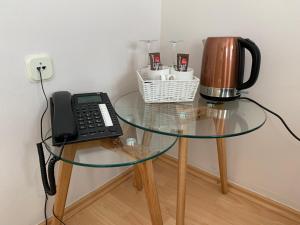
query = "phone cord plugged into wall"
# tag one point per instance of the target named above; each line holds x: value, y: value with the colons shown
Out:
x: 275, y: 114
x: 49, y: 188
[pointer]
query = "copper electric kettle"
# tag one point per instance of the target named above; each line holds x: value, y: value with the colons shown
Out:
x: 223, y: 65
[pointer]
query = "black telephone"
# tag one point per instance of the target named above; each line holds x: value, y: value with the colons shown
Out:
x: 77, y: 118
x: 82, y: 117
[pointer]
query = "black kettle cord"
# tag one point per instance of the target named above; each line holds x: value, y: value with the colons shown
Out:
x: 275, y: 114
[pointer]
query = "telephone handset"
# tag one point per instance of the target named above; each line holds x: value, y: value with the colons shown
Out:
x: 62, y: 118
x: 82, y: 117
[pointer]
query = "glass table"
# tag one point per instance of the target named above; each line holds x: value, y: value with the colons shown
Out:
x: 134, y: 147
x: 197, y: 119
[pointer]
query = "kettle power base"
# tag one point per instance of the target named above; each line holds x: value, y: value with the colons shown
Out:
x: 216, y: 100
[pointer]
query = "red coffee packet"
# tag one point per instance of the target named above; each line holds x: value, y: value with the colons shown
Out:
x: 154, y: 60
x: 182, y: 62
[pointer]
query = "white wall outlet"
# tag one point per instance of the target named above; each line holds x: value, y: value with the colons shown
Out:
x: 39, y: 60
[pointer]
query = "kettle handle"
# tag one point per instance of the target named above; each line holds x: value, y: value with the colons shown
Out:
x: 256, y: 57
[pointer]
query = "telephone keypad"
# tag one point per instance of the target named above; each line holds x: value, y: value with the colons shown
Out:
x: 96, y: 119
x: 90, y: 120
x: 101, y: 129
x: 82, y: 127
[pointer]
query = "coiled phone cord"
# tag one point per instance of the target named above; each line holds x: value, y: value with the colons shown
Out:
x: 49, y: 187
x: 275, y: 114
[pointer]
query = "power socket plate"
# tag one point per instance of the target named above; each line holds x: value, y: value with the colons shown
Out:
x: 38, y: 60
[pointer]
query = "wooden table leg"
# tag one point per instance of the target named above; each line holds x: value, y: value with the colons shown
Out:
x: 137, y: 179
x: 220, y: 125
x: 130, y: 131
x: 222, y: 157
x: 147, y: 174
x: 181, y: 185
x: 65, y: 171
x: 147, y: 136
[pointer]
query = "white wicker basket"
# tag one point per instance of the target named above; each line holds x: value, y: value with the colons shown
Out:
x: 158, y: 91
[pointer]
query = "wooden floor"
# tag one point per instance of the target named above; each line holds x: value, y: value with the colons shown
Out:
x: 205, y: 205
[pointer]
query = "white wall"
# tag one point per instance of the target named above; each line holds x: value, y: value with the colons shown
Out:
x: 93, y: 46
x: 268, y: 160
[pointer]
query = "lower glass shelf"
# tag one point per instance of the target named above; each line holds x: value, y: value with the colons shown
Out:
x: 133, y: 147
